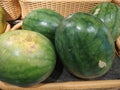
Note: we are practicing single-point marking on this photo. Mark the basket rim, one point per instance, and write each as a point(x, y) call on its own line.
point(73, 85)
point(116, 0)
point(66, 0)
point(8, 0)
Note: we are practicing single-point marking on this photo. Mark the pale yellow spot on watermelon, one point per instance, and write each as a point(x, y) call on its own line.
point(102, 64)
point(27, 42)
point(96, 11)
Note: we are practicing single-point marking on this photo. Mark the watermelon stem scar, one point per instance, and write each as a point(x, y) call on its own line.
point(102, 64)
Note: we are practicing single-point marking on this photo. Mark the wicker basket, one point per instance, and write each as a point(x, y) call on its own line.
point(12, 8)
point(64, 7)
point(117, 2)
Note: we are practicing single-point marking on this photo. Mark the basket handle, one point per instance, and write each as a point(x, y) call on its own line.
point(17, 26)
point(8, 27)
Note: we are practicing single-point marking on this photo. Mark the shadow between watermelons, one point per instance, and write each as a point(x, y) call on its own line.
point(57, 70)
point(56, 73)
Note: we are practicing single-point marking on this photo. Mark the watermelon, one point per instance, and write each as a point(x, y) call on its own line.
point(109, 13)
point(44, 21)
point(26, 57)
point(85, 45)
point(3, 22)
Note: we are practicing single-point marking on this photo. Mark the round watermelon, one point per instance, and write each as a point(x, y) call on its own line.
point(109, 13)
point(44, 21)
point(26, 57)
point(84, 45)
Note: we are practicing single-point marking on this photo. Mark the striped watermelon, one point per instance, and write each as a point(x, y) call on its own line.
point(44, 21)
point(109, 13)
point(84, 45)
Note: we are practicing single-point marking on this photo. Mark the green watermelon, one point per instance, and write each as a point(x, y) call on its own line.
point(109, 13)
point(26, 57)
point(84, 45)
point(44, 21)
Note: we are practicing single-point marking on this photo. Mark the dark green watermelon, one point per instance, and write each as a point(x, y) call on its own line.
point(84, 45)
point(109, 13)
point(44, 21)
point(26, 57)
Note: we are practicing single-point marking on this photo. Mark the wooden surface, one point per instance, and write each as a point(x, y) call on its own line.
point(78, 85)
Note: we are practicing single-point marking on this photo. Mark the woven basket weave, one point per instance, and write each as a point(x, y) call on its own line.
point(117, 2)
point(64, 7)
point(12, 8)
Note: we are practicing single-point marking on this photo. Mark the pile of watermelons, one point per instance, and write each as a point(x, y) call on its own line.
point(84, 42)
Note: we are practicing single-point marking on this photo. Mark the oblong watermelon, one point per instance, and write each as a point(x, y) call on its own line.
point(44, 21)
point(84, 45)
point(26, 57)
point(109, 13)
